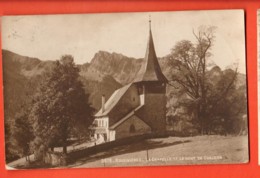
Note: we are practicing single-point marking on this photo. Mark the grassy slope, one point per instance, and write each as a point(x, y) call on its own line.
point(170, 151)
point(173, 151)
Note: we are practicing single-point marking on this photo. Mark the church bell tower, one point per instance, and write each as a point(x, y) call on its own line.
point(151, 84)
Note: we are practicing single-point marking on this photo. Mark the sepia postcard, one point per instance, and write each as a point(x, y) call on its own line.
point(125, 89)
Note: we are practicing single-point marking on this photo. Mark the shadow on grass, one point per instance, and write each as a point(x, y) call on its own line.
point(119, 150)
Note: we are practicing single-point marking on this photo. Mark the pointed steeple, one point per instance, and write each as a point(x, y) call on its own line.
point(150, 70)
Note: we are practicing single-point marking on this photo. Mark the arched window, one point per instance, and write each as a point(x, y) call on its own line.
point(132, 128)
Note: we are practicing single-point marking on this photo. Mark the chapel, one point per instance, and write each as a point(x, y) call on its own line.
point(137, 108)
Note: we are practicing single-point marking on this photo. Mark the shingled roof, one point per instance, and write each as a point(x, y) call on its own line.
point(150, 70)
point(113, 100)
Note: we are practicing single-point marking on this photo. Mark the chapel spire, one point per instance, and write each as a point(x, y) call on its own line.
point(150, 22)
point(150, 70)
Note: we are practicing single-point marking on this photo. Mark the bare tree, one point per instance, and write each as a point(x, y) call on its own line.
point(191, 61)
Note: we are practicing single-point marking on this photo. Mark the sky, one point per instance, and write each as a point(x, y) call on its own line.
point(48, 37)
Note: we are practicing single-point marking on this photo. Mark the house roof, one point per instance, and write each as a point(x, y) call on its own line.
point(126, 117)
point(113, 100)
point(150, 70)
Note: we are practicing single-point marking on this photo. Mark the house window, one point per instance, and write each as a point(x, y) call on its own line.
point(105, 137)
point(96, 123)
point(132, 128)
point(140, 90)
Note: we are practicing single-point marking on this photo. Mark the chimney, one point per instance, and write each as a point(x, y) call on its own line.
point(103, 104)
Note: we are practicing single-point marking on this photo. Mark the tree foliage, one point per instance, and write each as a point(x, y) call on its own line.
point(59, 106)
point(211, 92)
point(23, 134)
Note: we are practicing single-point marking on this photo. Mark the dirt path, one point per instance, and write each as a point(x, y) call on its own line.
point(19, 162)
point(22, 161)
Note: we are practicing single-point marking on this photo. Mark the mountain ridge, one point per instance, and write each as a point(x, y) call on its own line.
point(105, 73)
